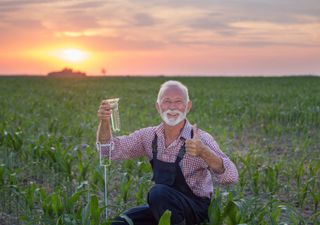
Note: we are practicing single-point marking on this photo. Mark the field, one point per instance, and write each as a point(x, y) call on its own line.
point(49, 167)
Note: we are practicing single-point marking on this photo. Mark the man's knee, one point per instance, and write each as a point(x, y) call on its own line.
point(157, 193)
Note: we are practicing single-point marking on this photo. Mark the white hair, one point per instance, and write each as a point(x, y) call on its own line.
point(173, 83)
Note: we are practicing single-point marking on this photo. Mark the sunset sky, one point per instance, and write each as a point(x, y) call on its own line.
point(170, 37)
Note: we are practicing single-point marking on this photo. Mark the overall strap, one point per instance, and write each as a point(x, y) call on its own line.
point(182, 150)
point(191, 133)
point(155, 146)
point(181, 153)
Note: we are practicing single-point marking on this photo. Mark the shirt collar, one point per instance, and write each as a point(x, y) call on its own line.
point(185, 133)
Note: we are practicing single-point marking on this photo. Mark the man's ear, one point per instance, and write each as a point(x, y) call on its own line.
point(189, 106)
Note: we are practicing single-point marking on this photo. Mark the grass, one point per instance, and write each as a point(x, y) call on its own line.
point(49, 167)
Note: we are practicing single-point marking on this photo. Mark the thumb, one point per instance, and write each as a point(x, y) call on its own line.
point(195, 131)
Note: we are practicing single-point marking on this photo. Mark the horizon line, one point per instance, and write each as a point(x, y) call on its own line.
point(169, 75)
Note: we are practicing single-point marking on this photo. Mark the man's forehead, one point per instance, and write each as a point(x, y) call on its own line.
point(173, 90)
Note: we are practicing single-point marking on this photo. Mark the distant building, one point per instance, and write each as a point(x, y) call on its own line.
point(67, 72)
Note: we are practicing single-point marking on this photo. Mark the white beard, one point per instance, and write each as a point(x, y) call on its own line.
point(173, 121)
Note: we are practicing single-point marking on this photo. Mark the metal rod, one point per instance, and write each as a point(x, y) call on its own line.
point(105, 164)
point(106, 190)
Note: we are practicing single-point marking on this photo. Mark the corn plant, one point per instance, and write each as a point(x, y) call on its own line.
point(226, 210)
point(271, 177)
point(165, 218)
point(214, 212)
point(269, 127)
point(13, 140)
point(251, 167)
point(91, 213)
point(125, 186)
point(299, 173)
point(30, 194)
point(314, 185)
point(140, 195)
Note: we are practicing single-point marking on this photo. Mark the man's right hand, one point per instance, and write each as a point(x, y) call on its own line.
point(104, 130)
point(104, 112)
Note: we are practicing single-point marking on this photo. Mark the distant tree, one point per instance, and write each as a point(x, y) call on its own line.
point(103, 71)
point(66, 72)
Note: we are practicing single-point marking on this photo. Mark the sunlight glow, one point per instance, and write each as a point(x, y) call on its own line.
point(73, 55)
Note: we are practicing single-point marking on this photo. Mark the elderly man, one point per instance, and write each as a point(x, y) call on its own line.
point(183, 160)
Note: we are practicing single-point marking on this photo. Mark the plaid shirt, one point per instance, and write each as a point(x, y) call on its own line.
point(195, 170)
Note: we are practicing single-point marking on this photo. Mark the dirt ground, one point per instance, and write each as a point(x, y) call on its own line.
point(6, 219)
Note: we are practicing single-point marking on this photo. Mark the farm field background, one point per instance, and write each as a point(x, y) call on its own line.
point(49, 167)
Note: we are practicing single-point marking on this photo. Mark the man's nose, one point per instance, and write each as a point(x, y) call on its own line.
point(172, 105)
point(172, 108)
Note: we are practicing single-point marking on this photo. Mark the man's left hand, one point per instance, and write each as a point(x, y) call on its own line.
point(194, 146)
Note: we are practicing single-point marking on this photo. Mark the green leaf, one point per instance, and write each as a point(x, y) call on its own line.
point(165, 218)
point(215, 217)
point(94, 210)
point(73, 199)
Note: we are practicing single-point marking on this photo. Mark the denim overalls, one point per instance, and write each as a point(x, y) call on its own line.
point(170, 191)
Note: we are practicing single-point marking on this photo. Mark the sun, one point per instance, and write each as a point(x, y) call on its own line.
point(73, 55)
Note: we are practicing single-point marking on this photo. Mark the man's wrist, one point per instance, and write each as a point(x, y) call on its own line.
point(222, 168)
point(204, 151)
point(218, 165)
point(102, 142)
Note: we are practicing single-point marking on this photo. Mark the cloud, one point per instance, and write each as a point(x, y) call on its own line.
point(118, 43)
point(167, 23)
point(143, 19)
point(85, 5)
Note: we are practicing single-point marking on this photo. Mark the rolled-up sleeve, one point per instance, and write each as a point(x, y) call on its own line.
point(124, 147)
point(230, 174)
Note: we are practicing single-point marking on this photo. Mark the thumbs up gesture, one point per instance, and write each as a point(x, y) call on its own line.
point(194, 146)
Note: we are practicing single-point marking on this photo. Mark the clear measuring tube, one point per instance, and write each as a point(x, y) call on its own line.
point(115, 117)
point(106, 162)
